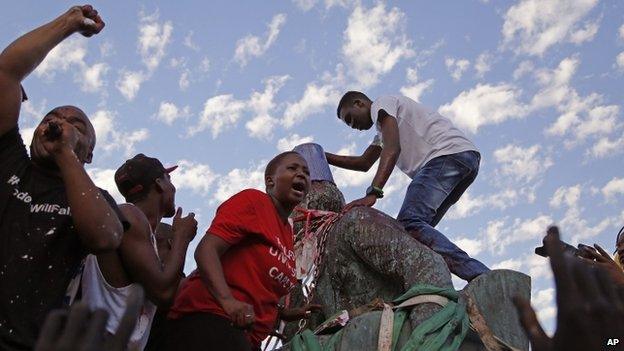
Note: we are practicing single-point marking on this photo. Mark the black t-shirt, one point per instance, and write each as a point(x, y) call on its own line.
point(39, 248)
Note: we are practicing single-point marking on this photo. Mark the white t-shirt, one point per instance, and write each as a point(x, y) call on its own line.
point(98, 293)
point(424, 134)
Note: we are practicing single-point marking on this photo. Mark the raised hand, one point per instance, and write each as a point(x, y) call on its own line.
point(85, 20)
point(59, 136)
point(590, 307)
point(599, 257)
point(184, 226)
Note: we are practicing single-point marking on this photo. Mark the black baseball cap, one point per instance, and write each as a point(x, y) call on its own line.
point(136, 175)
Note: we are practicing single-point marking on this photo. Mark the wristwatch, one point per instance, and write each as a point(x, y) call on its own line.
point(373, 190)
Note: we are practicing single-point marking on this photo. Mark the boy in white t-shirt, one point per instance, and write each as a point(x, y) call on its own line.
point(427, 147)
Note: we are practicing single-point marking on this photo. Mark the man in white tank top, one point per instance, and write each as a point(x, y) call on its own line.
point(109, 275)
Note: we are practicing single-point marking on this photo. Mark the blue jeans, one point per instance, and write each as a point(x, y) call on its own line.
point(433, 190)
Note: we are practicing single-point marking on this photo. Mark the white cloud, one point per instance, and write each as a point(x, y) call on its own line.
point(533, 26)
point(253, 46)
point(521, 164)
point(189, 43)
point(483, 64)
point(523, 68)
point(204, 66)
point(239, 179)
point(70, 55)
point(513, 264)
point(374, 42)
point(224, 111)
point(130, 82)
point(555, 83)
point(484, 105)
point(314, 100)
point(456, 67)
point(537, 266)
point(572, 222)
point(305, 5)
point(196, 177)
point(184, 81)
point(153, 39)
point(607, 147)
point(109, 135)
point(613, 188)
point(416, 88)
point(499, 234)
point(619, 61)
point(543, 302)
point(152, 43)
point(469, 205)
point(168, 112)
point(34, 112)
point(568, 196)
point(289, 142)
point(345, 178)
point(261, 104)
point(105, 178)
point(92, 77)
point(220, 113)
point(587, 33)
point(580, 117)
point(621, 31)
point(472, 246)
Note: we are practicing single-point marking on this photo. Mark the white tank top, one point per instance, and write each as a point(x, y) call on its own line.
point(97, 293)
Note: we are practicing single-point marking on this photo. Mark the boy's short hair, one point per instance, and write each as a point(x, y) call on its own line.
point(272, 165)
point(349, 97)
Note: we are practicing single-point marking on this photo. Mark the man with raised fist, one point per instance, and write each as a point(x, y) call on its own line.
point(109, 275)
point(51, 213)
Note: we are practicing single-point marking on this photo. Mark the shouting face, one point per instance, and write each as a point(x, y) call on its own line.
point(290, 182)
point(64, 117)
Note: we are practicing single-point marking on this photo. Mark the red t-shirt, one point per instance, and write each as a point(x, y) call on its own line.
point(259, 266)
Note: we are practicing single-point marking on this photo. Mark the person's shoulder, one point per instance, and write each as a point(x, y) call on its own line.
point(10, 140)
point(135, 217)
point(385, 99)
point(250, 195)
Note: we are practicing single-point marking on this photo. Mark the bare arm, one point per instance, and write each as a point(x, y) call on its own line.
point(22, 56)
point(356, 163)
point(141, 261)
point(391, 149)
point(207, 255)
point(389, 156)
point(96, 223)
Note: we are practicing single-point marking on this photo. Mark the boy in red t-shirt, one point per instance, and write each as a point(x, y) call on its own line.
point(245, 264)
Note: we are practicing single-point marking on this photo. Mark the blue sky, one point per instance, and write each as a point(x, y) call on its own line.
point(220, 88)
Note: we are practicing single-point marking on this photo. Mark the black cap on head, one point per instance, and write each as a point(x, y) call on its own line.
point(136, 175)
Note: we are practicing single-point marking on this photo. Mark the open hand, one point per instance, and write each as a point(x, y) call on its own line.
point(590, 307)
point(368, 200)
point(598, 256)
